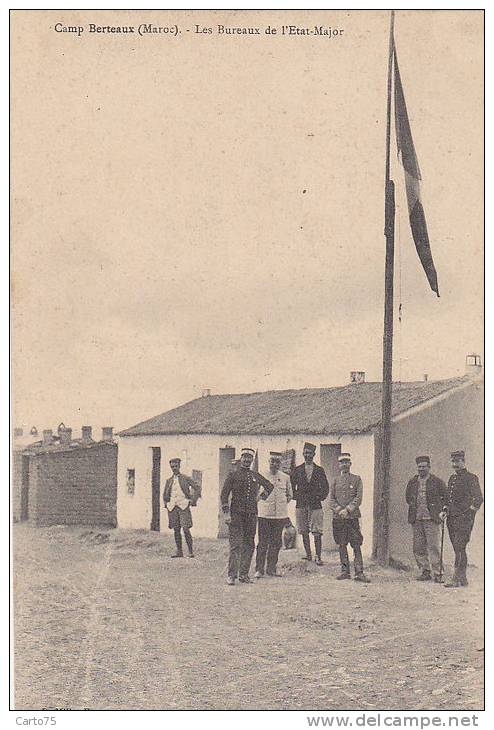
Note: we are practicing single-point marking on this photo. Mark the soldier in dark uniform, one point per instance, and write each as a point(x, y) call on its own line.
point(464, 500)
point(245, 487)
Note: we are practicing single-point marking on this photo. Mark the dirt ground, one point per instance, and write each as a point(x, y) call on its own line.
point(106, 620)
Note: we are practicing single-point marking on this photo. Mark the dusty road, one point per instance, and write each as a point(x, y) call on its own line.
point(105, 620)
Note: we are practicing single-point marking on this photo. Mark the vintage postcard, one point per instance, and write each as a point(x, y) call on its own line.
point(247, 356)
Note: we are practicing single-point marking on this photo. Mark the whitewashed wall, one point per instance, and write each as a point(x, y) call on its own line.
point(202, 452)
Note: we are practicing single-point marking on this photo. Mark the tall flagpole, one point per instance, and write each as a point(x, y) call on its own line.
point(385, 431)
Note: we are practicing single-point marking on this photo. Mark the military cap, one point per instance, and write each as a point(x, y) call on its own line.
point(345, 456)
point(423, 460)
point(246, 450)
point(175, 460)
point(275, 454)
point(309, 446)
point(457, 454)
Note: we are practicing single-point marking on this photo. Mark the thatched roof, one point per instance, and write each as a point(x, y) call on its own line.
point(348, 409)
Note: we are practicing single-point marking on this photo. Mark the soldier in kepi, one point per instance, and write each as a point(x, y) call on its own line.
point(426, 497)
point(464, 500)
point(241, 491)
point(310, 487)
point(345, 500)
point(180, 494)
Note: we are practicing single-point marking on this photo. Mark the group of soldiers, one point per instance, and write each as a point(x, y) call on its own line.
point(251, 500)
point(430, 504)
point(254, 502)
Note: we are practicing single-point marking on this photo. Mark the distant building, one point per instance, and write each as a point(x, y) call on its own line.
point(433, 417)
point(66, 481)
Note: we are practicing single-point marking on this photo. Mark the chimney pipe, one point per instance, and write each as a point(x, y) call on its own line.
point(473, 364)
point(47, 437)
point(107, 433)
point(426, 377)
point(206, 392)
point(86, 432)
point(65, 436)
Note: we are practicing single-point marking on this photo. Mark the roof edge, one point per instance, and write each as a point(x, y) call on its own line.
point(437, 398)
point(347, 432)
point(130, 432)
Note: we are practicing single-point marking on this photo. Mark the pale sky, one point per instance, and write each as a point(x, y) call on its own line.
point(207, 211)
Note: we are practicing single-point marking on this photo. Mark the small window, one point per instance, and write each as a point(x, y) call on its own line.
point(131, 481)
point(197, 477)
point(288, 461)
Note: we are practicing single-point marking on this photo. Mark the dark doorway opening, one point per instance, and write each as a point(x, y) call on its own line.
point(329, 462)
point(25, 489)
point(155, 489)
point(227, 455)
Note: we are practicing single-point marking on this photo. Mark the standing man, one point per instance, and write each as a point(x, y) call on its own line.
point(273, 516)
point(245, 487)
point(426, 496)
point(464, 500)
point(180, 493)
point(310, 487)
point(345, 500)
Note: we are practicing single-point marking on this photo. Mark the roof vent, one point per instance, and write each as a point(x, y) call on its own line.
point(66, 436)
point(107, 433)
point(357, 377)
point(473, 365)
point(206, 392)
point(47, 436)
point(86, 434)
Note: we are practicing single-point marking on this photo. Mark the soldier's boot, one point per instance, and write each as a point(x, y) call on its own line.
point(462, 577)
point(426, 575)
point(306, 541)
point(188, 540)
point(318, 546)
point(359, 566)
point(345, 564)
point(454, 582)
point(462, 568)
point(178, 543)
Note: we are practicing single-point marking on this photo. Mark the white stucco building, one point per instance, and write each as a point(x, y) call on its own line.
point(208, 433)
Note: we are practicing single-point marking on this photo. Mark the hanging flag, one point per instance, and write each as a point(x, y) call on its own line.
point(406, 152)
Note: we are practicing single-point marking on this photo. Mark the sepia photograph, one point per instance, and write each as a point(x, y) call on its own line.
point(247, 362)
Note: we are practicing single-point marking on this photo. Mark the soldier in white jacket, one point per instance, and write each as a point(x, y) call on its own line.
point(272, 517)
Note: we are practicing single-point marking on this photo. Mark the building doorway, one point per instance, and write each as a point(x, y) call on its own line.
point(24, 515)
point(329, 462)
point(226, 456)
point(155, 489)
